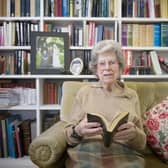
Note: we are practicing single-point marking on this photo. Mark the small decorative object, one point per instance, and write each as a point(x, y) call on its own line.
point(76, 66)
point(49, 52)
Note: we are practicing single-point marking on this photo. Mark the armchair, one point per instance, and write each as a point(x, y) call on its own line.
point(49, 149)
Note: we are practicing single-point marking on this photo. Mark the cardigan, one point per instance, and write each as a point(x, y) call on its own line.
point(94, 98)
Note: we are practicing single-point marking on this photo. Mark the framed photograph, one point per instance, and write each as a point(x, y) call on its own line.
point(76, 66)
point(49, 52)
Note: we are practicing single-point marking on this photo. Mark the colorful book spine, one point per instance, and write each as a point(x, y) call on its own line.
point(37, 7)
point(157, 36)
point(124, 34)
point(65, 7)
point(163, 34)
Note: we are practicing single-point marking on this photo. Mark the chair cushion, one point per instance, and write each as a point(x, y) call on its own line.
point(156, 128)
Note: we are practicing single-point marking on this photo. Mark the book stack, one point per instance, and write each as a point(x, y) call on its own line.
point(8, 97)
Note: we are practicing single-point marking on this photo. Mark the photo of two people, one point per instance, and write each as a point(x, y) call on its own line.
point(49, 52)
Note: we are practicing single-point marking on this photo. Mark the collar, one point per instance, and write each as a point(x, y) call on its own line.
point(119, 89)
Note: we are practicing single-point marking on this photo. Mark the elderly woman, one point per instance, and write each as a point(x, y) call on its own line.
point(110, 97)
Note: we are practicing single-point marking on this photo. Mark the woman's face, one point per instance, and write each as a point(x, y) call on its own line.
point(108, 69)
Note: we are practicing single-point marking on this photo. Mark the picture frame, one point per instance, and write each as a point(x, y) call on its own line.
point(49, 52)
point(76, 66)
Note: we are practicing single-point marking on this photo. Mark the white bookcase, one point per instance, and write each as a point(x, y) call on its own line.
point(38, 109)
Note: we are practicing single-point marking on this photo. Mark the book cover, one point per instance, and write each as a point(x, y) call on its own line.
point(58, 8)
point(150, 35)
point(163, 35)
point(18, 139)
point(27, 8)
point(12, 8)
point(37, 9)
point(124, 34)
point(3, 134)
point(155, 63)
point(109, 127)
point(25, 128)
point(65, 8)
point(10, 139)
point(32, 8)
point(129, 8)
point(4, 139)
point(135, 35)
point(22, 7)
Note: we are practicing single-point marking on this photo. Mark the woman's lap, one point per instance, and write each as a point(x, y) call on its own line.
point(95, 155)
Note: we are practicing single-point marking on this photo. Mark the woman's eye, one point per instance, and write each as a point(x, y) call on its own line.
point(112, 62)
point(102, 63)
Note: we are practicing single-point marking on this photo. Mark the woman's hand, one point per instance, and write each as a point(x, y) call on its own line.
point(85, 128)
point(125, 132)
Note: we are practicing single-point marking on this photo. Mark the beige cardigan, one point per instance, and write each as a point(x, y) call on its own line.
point(94, 98)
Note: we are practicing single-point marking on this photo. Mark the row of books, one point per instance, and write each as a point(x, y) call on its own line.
point(25, 91)
point(8, 97)
point(52, 92)
point(147, 62)
point(80, 8)
point(49, 119)
point(17, 62)
point(86, 35)
point(20, 8)
point(16, 135)
point(141, 59)
point(16, 33)
point(17, 96)
point(12, 83)
point(139, 62)
point(145, 8)
point(145, 34)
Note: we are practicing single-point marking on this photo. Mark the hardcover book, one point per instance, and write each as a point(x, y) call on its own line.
point(109, 127)
point(155, 63)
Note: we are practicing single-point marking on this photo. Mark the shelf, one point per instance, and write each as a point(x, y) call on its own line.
point(137, 20)
point(15, 48)
point(104, 19)
point(147, 77)
point(19, 19)
point(47, 77)
point(145, 48)
point(18, 77)
point(20, 107)
point(50, 107)
point(80, 48)
point(164, 76)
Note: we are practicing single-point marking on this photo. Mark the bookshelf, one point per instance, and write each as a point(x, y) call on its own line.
point(42, 22)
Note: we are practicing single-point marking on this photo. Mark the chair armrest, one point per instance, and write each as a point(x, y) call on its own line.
point(49, 147)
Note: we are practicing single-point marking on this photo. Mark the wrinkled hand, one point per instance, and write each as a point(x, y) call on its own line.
point(126, 132)
point(85, 128)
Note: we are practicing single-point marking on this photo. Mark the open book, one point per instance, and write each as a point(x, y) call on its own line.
point(109, 127)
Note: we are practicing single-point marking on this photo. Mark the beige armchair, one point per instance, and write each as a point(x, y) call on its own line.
point(49, 149)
